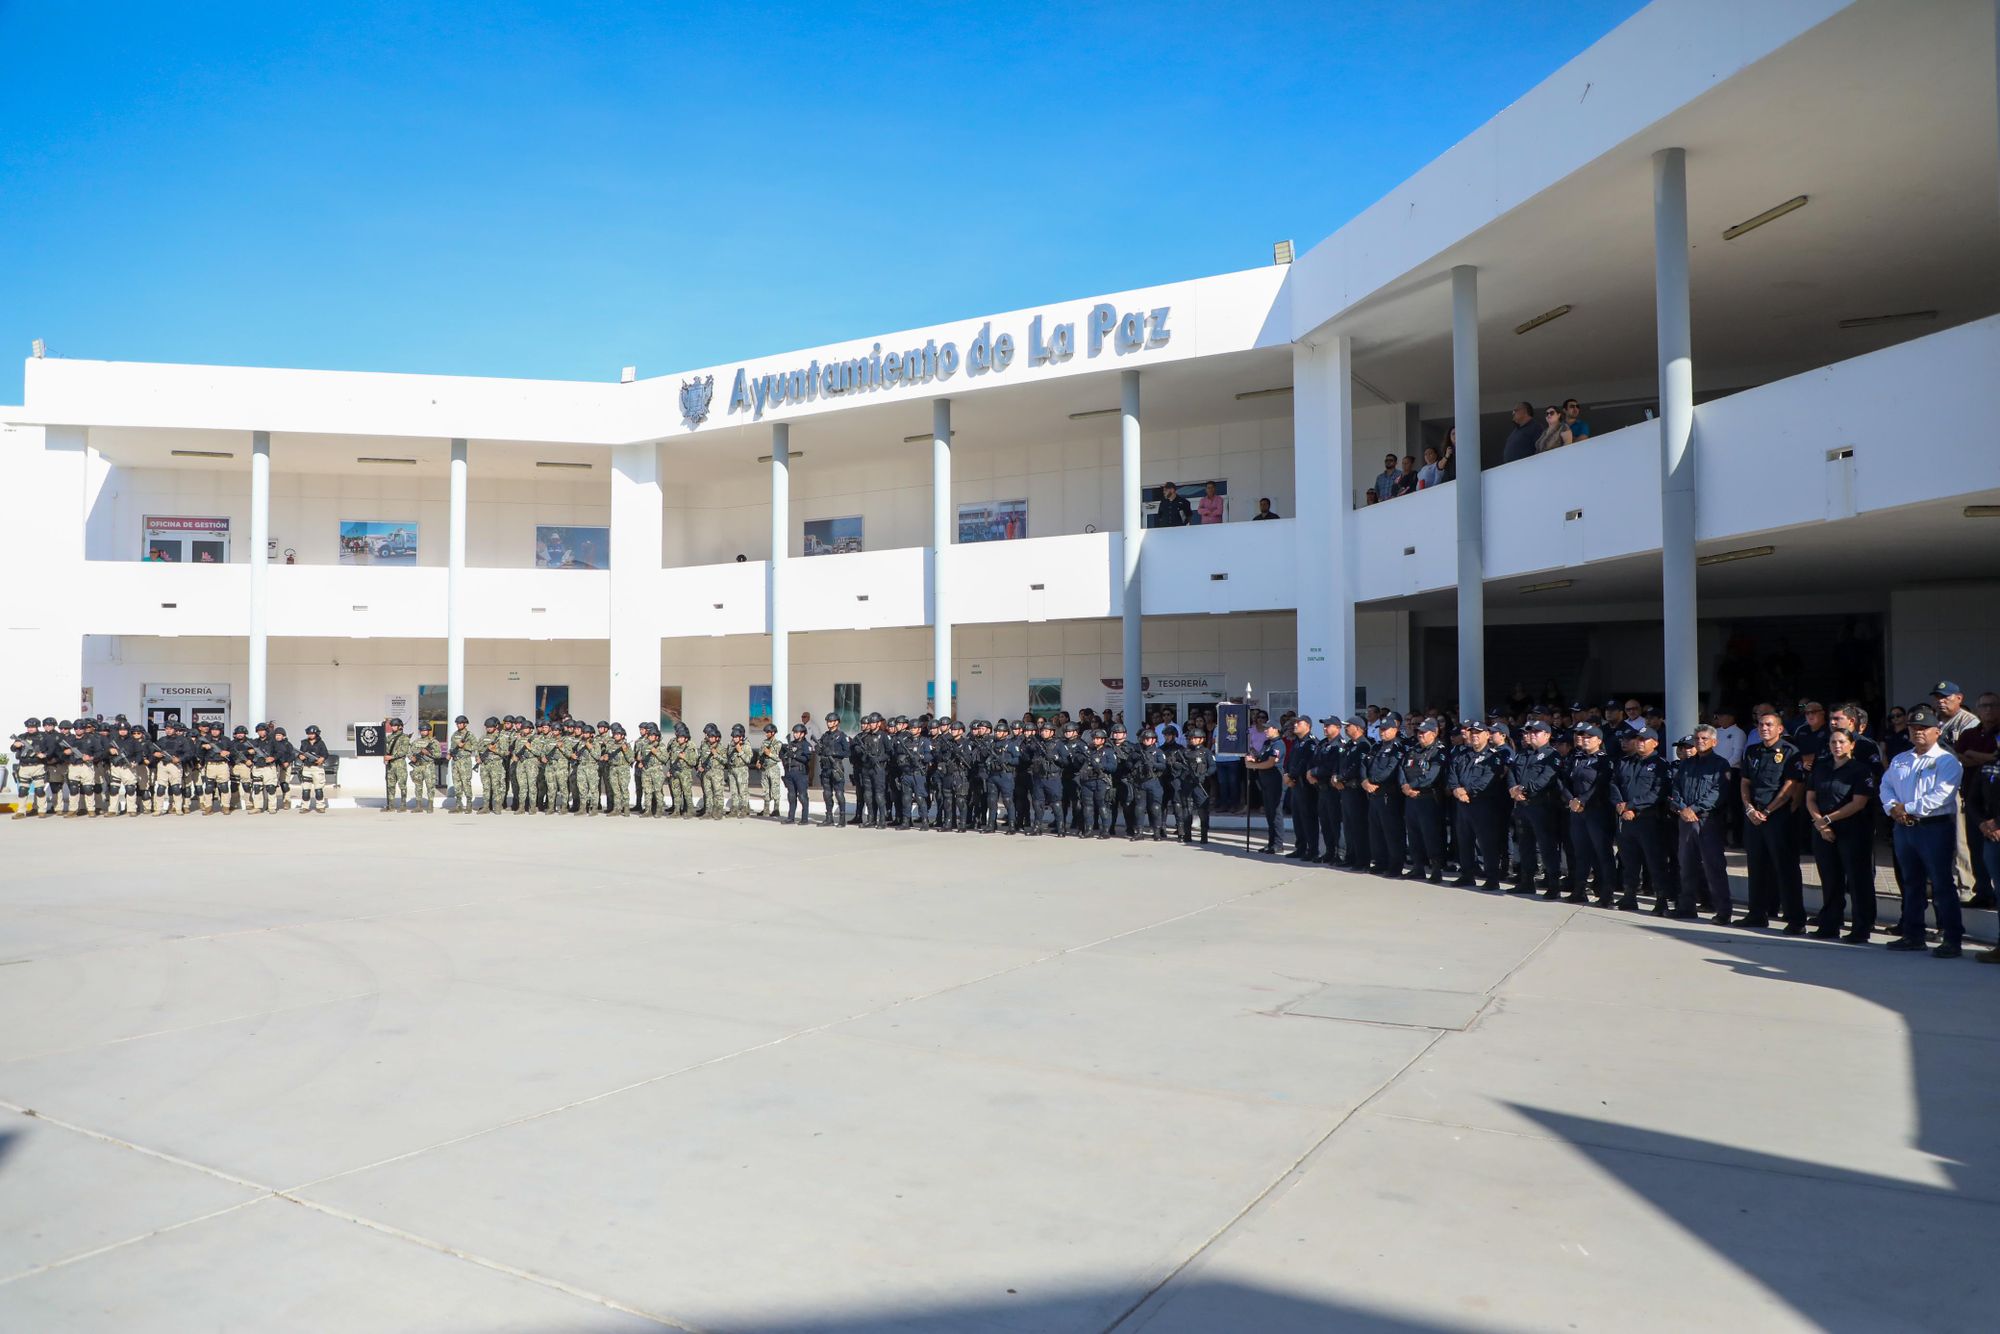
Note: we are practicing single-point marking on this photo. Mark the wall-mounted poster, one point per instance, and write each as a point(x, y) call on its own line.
point(670, 708)
point(1045, 696)
point(1208, 501)
point(186, 540)
point(432, 706)
point(567, 547)
point(377, 542)
point(551, 703)
point(760, 707)
point(833, 537)
point(993, 521)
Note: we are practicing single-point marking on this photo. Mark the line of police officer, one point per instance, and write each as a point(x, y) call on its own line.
point(1579, 822)
point(83, 767)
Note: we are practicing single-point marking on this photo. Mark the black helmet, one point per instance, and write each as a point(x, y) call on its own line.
point(122, 725)
point(618, 729)
point(603, 726)
point(1148, 734)
point(393, 722)
point(1002, 727)
point(736, 729)
point(1071, 726)
point(34, 722)
point(681, 731)
point(463, 719)
point(770, 729)
point(119, 718)
point(874, 717)
point(68, 723)
point(262, 727)
point(1196, 734)
point(833, 717)
point(50, 722)
point(490, 722)
point(240, 730)
point(312, 729)
point(710, 729)
point(1046, 725)
point(1097, 734)
point(798, 729)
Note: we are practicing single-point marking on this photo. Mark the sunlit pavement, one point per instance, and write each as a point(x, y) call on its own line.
point(368, 1072)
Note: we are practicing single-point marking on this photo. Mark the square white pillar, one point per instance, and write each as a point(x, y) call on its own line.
point(1130, 482)
point(260, 566)
point(942, 519)
point(775, 611)
point(1323, 481)
point(1471, 498)
point(454, 584)
point(637, 524)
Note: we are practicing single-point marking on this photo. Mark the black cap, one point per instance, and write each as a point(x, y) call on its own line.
point(1587, 729)
point(1477, 725)
point(1535, 725)
point(1427, 725)
point(1685, 743)
point(1923, 716)
point(1644, 734)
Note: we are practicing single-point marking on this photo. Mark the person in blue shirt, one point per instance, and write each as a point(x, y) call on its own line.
point(1579, 429)
point(1920, 792)
point(1532, 783)
point(1478, 783)
point(1385, 484)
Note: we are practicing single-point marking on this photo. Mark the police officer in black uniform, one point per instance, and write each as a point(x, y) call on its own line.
point(1351, 773)
point(1073, 751)
point(1382, 780)
point(1193, 765)
point(1697, 791)
point(1149, 786)
point(1422, 785)
point(918, 756)
point(1094, 785)
point(1478, 783)
point(1323, 798)
point(1003, 763)
point(833, 752)
point(1772, 778)
point(1299, 792)
point(1639, 796)
point(1592, 823)
point(1533, 785)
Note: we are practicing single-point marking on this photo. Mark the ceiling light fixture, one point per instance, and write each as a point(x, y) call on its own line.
point(791, 456)
point(1768, 215)
point(1548, 587)
point(1095, 412)
point(371, 458)
point(1982, 511)
point(1265, 393)
point(1543, 318)
point(919, 439)
point(1905, 317)
point(1744, 553)
point(201, 454)
point(1281, 253)
point(560, 463)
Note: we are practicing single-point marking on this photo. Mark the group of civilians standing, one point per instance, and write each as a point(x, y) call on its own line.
point(1533, 433)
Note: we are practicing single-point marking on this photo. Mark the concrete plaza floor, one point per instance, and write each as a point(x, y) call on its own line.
point(368, 1072)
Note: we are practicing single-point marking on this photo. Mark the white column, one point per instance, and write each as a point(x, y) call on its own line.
point(1130, 484)
point(260, 565)
point(454, 589)
point(941, 530)
point(1677, 460)
point(1323, 503)
point(774, 594)
point(1471, 501)
point(637, 523)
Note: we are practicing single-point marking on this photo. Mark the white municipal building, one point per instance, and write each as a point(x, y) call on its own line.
point(1759, 242)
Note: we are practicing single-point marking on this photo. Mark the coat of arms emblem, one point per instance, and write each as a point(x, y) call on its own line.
point(695, 397)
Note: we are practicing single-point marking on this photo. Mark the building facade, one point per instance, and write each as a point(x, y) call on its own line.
point(1758, 243)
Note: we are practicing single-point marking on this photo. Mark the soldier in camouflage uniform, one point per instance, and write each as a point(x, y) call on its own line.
point(528, 766)
point(681, 773)
point(491, 750)
point(558, 764)
point(424, 752)
point(590, 752)
point(709, 763)
point(396, 767)
point(619, 773)
point(463, 744)
point(736, 773)
point(770, 766)
point(651, 753)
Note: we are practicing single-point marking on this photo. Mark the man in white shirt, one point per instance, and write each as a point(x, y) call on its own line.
point(1730, 743)
point(1920, 792)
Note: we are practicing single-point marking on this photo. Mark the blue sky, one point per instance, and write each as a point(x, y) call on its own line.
point(556, 191)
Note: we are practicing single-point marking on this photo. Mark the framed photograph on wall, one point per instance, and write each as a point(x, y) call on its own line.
point(378, 542)
point(568, 547)
point(1045, 696)
point(760, 707)
point(833, 537)
point(993, 521)
point(551, 703)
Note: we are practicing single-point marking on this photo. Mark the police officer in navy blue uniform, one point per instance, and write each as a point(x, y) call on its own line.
point(1193, 765)
point(1382, 780)
point(1592, 823)
point(1265, 766)
point(1533, 785)
point(1351, 772)
point(1841, 797)
point(914, 759)
point(1149, 786)
point(795, 762)
point(1423, 797)
point(1478, 783)
point(1073, 752)
point(1639, 795)
point(1043, 759)
point(1697, 791)
point(1305, 820)
point(1323, 797)
point(1003, 763)
point(1772, 778)
point(1095, 778)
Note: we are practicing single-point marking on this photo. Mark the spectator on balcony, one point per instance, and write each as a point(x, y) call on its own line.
point(1555, 432)
point(1385, 483)
point(1521, 440)
point(1210, 506)
point(1448, 461)
point(1406, 476)
point(1174, 511)
point(1579, 429)
point(1264, 510)
point(1432, 472)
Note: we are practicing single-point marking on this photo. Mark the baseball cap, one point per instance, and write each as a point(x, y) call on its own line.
point(1588, 729)
point(1535, 725)
point(1947, 688)
point(1644, 734)
point(1428, 725)
point(1923, 716)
